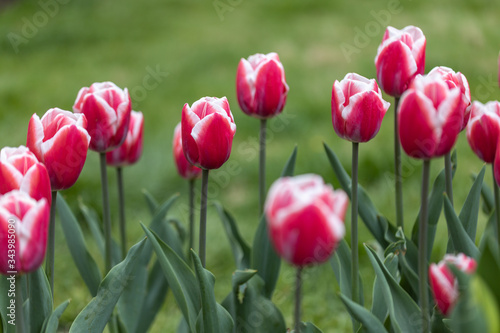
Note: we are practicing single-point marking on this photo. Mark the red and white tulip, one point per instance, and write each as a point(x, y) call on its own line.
point(186, 170)
point(483, 130)
point(131, 149)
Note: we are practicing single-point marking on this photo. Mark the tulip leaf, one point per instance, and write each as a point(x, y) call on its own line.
point(470, 210)
point(489, 230)
point(487, 195)
point(76, 243)
point(341, 264)
point(289, 169)
point(379, 307)
point(151, 201)
point(308, 328)
point(52, 323)
point(97, 313)
point(370, 323)
point(40, 300)
point(489, 267)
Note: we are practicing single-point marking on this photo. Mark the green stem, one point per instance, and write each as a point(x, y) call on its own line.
point(497, 205)
point(298, 299)
point(354, 228)
point(448, 176)
point(203, 217)
point(191, 214)
point(121, 209)
point(105, 212)
point(20, 323)
point(422, 250)
point(262, 165)
point(51, 241)
point(397, 169)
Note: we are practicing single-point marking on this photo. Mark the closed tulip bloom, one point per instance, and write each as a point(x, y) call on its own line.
point(186, 170)
point(400, 57)
point(28, 220)
point(456, 80)
point(429, 117)
point(305, 218)
point(357, 108)
point(261, 86)
point(60, 141)
point(21, 170)
point(131, 149)
point(107, 109)
point(483, 129)
point(444, 285)
point(207, 132)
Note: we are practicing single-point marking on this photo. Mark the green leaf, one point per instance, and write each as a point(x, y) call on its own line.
point(52, 323)
point(151, 201)
point(489, 268)
point(40, 300)
point(5, 299)
point(370, 323)
point(488, 198)
point(241, 277)
point(341, 264)
point(97, 313)
point(241, 249)
point(308, 328)
point(76, 243)
point(289, 168)
point(379, 307)
point(470, 210)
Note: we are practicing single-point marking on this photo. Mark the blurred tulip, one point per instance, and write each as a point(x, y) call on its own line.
point(186, 170)
point(357, 108)
point(61, 142)
point(400, 57)
point(483, 129)
point(23, 225)
point(260, 85)
point(107, 109)
point(429, 117)
point(444, 285)
point(305, 218)
point(207, 132)
point(130, 150)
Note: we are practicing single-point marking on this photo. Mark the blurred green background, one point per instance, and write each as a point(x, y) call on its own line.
point(173, 52)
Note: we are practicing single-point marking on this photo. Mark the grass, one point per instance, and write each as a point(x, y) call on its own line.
point(124, 41)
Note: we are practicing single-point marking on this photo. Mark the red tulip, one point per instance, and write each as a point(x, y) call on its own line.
point(131, 149)
point(24, 225)
point(186, 170)
point(305, 218)
point(444, 285)
point(207, 132)
point(107, 109)
point(483, 129)
point(61, 142)
point(400, 57)
point(260, 85)
point(456, 80)
point(20, 170)
point(357, 108)
point(429, 117)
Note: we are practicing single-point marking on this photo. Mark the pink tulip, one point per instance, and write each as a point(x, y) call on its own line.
point(261, 86)
point(24, 225)
point(444, 285)
point(61, 142)
point(20, 170)
point(305, 218)
point(456, 80)
point(429, 117)
point(483, 129)
point(207, 132)
point(400, 57)
point(357, 108)
point(131, 149)
point(186, 170)
point(107, 109)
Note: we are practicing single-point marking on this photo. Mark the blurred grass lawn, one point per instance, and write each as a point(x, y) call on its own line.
point(123, 41)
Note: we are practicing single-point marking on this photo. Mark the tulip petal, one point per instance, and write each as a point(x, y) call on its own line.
point(101, 121)
point(10, 178)
point(32, 236)
point(269, 89)
point(35, 136)
point(188, 120)
point(449, 110)
point(245, 86)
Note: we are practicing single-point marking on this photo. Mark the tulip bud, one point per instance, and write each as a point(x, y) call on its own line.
point(444, 285)
point(107, 109)
point(260, 85)
point(305, 218)
point(400, 57)
point(357, 108)
point(24, 225)
point(483, 129)
point(429, 117)
point(186, 170)
point(207, 132)
point(20, 170)
point(131, 149)
point(61, 142)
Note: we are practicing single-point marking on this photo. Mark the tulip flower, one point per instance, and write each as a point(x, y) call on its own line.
point(130, 150)
point(185, 169)
point(23, 232)
point(107, 109)
point(444, 285)
point(400, 57)
point(20, 170)
point(483, 129)
point(357, 108)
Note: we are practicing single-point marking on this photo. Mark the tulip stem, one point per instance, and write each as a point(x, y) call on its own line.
point(422, 250)
point(448, 176)
point(354, 224)
point(298, 298)
point(105, 212)
point(203, 217)
point(51, 241)
point(191, 214)
point(262, 165)
point(19, 322)
point(497, 204)
point(121, 209)
point(397, 169)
